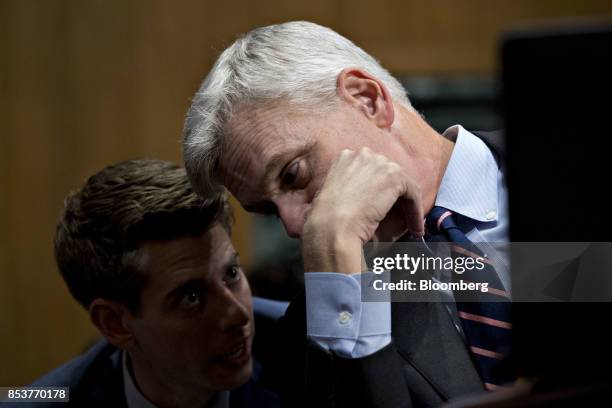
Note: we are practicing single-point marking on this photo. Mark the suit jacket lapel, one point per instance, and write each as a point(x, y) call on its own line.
point(426, 337)
point(250, 395)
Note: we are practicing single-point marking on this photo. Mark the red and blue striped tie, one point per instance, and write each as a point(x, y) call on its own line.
point(485, 316)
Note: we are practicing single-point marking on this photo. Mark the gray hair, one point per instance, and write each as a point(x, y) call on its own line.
point(295, 62)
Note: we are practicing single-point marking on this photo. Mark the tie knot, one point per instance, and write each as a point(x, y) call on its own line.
point(439, 220)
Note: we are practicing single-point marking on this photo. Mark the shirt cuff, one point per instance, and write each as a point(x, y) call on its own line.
point(337, 319)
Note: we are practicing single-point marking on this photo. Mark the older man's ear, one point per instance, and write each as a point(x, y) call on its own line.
point(367, 93)
point(111, 319)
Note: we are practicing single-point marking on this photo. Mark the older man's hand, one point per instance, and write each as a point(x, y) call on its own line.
point(365, 197)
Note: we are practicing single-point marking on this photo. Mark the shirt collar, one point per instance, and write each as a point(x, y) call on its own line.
point(135, 399)
point(469, 185)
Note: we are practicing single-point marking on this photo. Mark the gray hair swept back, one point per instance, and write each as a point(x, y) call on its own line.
point(295, 62)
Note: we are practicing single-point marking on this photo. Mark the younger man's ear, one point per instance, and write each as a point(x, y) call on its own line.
point(368, 93)
point(110, 319)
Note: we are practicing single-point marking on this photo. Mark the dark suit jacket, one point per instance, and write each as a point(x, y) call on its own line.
point(95, 378)
point(426, 364)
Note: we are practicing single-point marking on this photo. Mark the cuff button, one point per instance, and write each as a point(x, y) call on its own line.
point(344, 317)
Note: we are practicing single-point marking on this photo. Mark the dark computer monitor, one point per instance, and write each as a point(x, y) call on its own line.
point(557, 88)
point(557, 101)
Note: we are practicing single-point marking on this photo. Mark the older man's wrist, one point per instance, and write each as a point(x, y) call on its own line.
point(331, 254)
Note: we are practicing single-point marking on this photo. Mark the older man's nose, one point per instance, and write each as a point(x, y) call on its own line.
point(293, 216)
point(292, 224)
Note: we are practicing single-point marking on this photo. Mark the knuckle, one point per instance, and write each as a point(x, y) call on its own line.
point(414, 190)
point(392, 168)
point(366, 152)
point(346, 153)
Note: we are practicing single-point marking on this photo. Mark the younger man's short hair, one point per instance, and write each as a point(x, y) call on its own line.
point(103, 224)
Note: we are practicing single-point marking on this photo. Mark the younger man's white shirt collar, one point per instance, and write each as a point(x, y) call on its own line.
point(135, 399)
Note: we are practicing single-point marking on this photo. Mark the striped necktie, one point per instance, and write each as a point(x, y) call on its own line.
point(484, 316)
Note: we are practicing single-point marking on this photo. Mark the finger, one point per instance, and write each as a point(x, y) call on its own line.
point(412, 206)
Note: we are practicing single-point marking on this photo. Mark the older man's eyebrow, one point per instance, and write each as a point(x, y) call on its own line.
point(281, 159)
point(276, 160)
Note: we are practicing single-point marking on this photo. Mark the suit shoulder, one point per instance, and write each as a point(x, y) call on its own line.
point(71, 373)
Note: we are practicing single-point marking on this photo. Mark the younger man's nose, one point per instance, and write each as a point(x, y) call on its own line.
point(233, 313)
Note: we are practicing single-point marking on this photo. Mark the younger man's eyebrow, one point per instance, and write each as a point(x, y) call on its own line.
point(185, 286)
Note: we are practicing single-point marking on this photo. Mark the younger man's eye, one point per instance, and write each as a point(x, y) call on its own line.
point(191, 299)
point(232, 275)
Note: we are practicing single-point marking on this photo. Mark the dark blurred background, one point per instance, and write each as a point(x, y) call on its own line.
point(87, 83)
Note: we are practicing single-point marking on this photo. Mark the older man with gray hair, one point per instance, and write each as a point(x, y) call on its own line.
point(297, 121)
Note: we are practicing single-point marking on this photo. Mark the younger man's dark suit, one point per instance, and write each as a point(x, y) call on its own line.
point(95, 379)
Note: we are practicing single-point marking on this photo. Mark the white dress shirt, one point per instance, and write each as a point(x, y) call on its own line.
point(135, 399)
